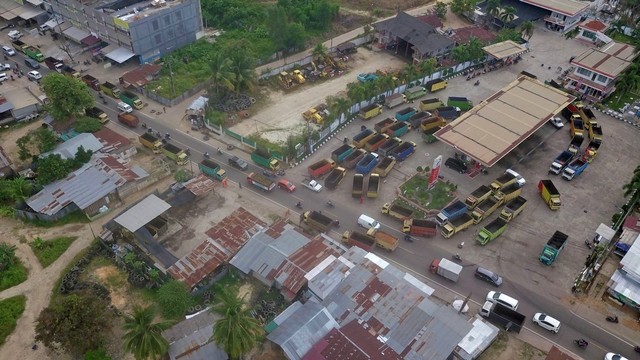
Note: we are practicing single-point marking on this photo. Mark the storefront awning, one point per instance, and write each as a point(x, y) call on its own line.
point(90, 40)
point(120, 55)
point(35, 2)
point(75, 34)
point(29, 12)
point(52, 23)
point(8, 15)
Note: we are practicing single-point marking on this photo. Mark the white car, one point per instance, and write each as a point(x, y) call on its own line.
point(34, 75)
point(557, 122)
point(5, 67)
point(519, 179)
point(8, 51)
point(313, 186)
point(504, 299)
point(546, 322)
point(614, 356)
point(15, 34)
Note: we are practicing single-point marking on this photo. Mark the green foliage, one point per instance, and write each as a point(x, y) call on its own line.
point(77, 217)
point(526, 29)
point(174, 299)
point(13, 275)
point(15, 190)
point(508, 34)
point(37, 142)
point(69, 96)
point(181, 175)
point(82, 156)
point(143, 337)
point(237, 331)
point(52, 168)
point(10, 311)
point(7, 255)
point(462, 7)
point(441, 10)
point(99, 354)
point(48, 251)
point(87, 125)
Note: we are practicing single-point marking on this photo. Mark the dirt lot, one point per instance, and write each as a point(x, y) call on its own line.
point(508, 347)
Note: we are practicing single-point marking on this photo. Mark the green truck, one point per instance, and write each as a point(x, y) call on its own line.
point(462, 103)
point(553, 248)
point(34, 53)
point(212, 169)
point(415, 92)
point(485, 209)
point(175, 153)
point(110, 89)
point(477, 196)
point(513, 208)
point(491, 231)
point(264, 159)
point(132, 99)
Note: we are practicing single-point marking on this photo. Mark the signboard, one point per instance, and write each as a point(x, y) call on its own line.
point(435, 171)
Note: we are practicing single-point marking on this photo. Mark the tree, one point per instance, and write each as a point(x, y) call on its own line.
point(493, 8)
point(408, 73)
point(68, 96)
point(633, 185)
point(427, 67)
point(319, 52)
point(338, 105)
point(7, 255)
point(143, 337)
point(460, 54)
point(296, 37)
point(508, 14)
point(356, 92)
point(441, 10)
point(52, 168)
point(457, 6)
point(19, 188)
point(507, 34)
point(99, 354)
point(242, 66)
point(174, 299)
point(474, 49)
point(526, 29)
point(237, 331)
point(82, 156)
point(181, 175)
point(74, 323)
point(87, 125)
point(221, 73)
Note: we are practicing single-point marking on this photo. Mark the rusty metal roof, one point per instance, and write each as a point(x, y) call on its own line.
point(200, 185)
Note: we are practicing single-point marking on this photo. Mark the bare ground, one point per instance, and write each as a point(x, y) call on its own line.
point(507, 347)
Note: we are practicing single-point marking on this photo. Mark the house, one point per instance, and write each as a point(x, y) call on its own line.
point(624, 284)
point(69, 148)
point(5, 165)
point(431, 19)
point(564, 14)
point(476, 341)
point(597, 69)
point(115, 144)
point(141, 76)
point(630, 232)
point(24, 103)
point(592, 30)
point(191, 338)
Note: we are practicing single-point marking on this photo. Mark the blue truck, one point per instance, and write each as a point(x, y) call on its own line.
point(403, 150)
point(342, 152)
point(389, 145)
point(575, 168)
point(406, 113)
point(561, 162)
point(367, 163)
point(451, 212)
point(448, 112)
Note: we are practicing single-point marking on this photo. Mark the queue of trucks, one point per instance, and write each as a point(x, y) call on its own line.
point(457, 224)
point(397, 211)
point(513, 208)
point(491, 231)
point(175, 153)
point(318, 221)
point(553, 248)
point(419, 227)
point(321, 167)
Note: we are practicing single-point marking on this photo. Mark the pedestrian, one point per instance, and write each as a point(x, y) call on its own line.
point(361, 199)
point(164, 109)
point(240, 185)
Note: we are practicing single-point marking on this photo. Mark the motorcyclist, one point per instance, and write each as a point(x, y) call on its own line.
point(583, 343)
point(299, 204)
point(329, 203)
point(206, 155)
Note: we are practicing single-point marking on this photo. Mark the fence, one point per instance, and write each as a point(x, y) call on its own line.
point(171, 102)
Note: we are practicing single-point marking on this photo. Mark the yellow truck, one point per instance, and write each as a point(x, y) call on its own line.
point(435, 85)
point(384, 166)
point(298, 77)
point(452, 227)
point(370, 111)
point(432, 123)
point(508, 193)
point(513, 208)
point(477, 196)
point(151, 142)
point(485, 209)
point(549, 194)
point(384, 240)
point(431, 104)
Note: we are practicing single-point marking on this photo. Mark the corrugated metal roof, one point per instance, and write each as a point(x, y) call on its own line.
point(610, 60)
point(191, 339)
point(69, 148)
point(564, 7)
point(630, 263)
point(477, 340)
point(143, 212)
point(625, 285)
point(413, 30)
point(504, 49)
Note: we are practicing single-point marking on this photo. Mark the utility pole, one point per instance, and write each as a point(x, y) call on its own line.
point(173, 87)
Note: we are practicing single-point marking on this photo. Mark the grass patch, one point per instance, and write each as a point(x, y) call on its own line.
point(76, 217)
point(498, 346)
point(10, 311)
point(416, 189)
point(620, 37)
point(13, 275)
point(616, 102)
point(48, 251)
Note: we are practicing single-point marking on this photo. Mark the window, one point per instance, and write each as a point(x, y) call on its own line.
point(583, 71)
point(178, 16)
point(158, 39)
point(602, 79)
point(167, 20)
point(155, 25)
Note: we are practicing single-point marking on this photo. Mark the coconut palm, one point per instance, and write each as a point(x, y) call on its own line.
point(628, 81)
point(20, 188)
point(526, 29)
point(474, 49)
point(493, 8)
point(338, 105)
point(408, 73)
point(221, 73)
point(143, 337)
point(319, 52)
point(243, 68)
point(237, 331)
point(427, 67)
point(460, 53)
point(508, 14)
point(356, 92)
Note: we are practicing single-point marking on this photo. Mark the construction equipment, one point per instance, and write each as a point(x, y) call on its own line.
point(298, 77)
point(285, 80)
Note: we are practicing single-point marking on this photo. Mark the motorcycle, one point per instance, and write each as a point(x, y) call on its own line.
point(588, 243)
point(637, 349)
point(281, 173)
point(144, 125)
point(476, 83)
point(408, 238)
point(299, 205)
point(457, 257)
point(613, 319)
point(206, 155)
point(219, 151)
point(329, 204)
point(582, 343)
point(336, 223)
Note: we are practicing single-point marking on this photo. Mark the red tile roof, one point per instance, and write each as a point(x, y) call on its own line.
point(631, 222)
point(594, 25)
point(463, 35)
point(431, 19)
point(111, 140)
point(140, 76)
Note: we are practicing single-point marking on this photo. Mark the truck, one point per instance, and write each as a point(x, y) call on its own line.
point(500, 314)
point(508, 193)
point(415, 92)
point(375, 141)
point(577, 127)
point(70, 72)
point(435, 85)
point(132, 99)
point(595, 132)
point(312, 185)
point(461, 103)
point(175, 153)
point(264, 159)
point(388, 146)
point(34, 53)
point(212, 169)
point(576, 143)
point(588, 117)
point(592, 150)
point(362, 137)
point(130, 120)
point(477, 196)
point(460, 223)
point(367, 163)
point(53, 63)
point(397, 211)
point(358, 185)
point(571, 112)
point(406, 113)
point(419, 227)
point(485, 209)
point(395, 100)
point(513, 208)
point(315, 114)
point(320, 168)
point(110, 89)
point(151, 142)
point(356, 238)
point(91, 82)
point(561, 161)
point(335, 177)
point(549, 194)
point(491, 231)
point(398, 129)
point(448, 112)
point(450, 212)
point(97, 113)
point(430, 104)
point(384, 166)
point(446, 268)
point(403, 150)
point(432, 124)
point(317, 220)
point(575, 168)
point(19, 45)
point(384, 240)
point(416, 119)
point(342, 152)
point(261, 182)
point(503, 180)
point(373, 186)
point(353, 159)
point(370, 111)
point(382, 126)
point(553, 248)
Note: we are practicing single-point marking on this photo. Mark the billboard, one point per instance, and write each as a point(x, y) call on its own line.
point(435, 171)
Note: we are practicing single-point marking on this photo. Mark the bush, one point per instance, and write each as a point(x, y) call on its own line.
point(13, 275)
point(174, 299)
point(10, 311)
point(48, 251)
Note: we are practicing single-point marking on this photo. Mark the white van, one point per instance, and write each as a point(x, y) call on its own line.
point(368, 222)
point(122, 106)
point(503, 299)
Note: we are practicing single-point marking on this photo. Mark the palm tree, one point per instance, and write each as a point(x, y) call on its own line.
point(221, 73)
point(319, 52)
point(237, 331)
point(628, 81)
point(356, 92)
point(7, 255)
point(244, 74)
point(20, 188)
point(526, 29)
point(384, 84)
point(408, 73)
point(460, 53)
point(338, 105)
point(474, 48)
point(634, 185)
point(493, 8)
point(508, 14)
point(427, 67)
point(143, 337)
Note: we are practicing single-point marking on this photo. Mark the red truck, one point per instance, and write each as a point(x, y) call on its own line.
point(321, 167)
point(91, 82)
point(130, 120)
point(419, 227)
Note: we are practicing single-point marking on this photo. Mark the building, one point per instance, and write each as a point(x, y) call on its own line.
point(141, 76)
point(24, 103)
point(29, 12)
point(597, 69)
point(592, 30)
point(191, 338)
point(69, 148)
point(5, 165)
point(144, 29)
point(624, 284)
point(564, 14)
point(115, 144)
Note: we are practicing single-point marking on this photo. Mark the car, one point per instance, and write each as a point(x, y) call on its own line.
point(8, 51)
point(457, 165)
point(488, 276)
point(546, 322)
point(367, 77)
point(5, 67)
point(557, 122)
point(503, 299)
point(286, 185)
point(34, 75)
point(614, 356)
point(32, 63)
point(519, 179)
point(238, 163)
point(3, 77)
point(15, 34)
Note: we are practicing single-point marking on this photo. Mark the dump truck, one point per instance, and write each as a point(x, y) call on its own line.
point(70, 72)
point(97, 113)
point(553, 248)
point(367, 163)
point(358, 186)
point(419, 227)
point(261, 182)
point(312, 185)
point(588, 117)
point(53, 63)
point(446, 268)
point(432, 124)
point(397, 211)
point(513, 208)
point(264, 159)
point(549, 194)
point(151, 142)
point(384, 240)
point(34, 53)
point(403, 150)
point(416, 119)
point(356, 238)
point(497, 313)
point(317, 220)
point(353, 159)
point(508, 193)
point(406, 113)
point(395, 100)
point(576, 143)
point(462, 103)
point(595, 133)
point(19, 45)
point(382, 126)
point(415, 92)
point(398, 129)
point(571, 112)
point(560, 162)
point(212, 169)
point(375, 141)
point(321, 167)
point(450, 212)
point(503, 180)
point(384, 166)
point(430, 104)
point(448, 112)
point(592, 150)
point(342, 152)
point(370, 111)
point(130, 120)
point(387, 147)
point(110, 89)
point(373, 186)
point(491, 231)
point(175, 153)
point(460, 223)
point(362, 137)
point(132, 99)
point(485, 209)
point(335, 177)
point(91, 82)
point(575, 168)
point(577, 127)
point(435, 85)
point(477, 196)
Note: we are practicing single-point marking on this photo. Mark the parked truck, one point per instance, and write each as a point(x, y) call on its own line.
point(511, 320)
point(448, 112)
point(415, 92)
point(430, 104)
point(356, 238)
point(450, 212)
point(549, 194)
point(353, 159)
point(485, 209)
point(97, 113)
point(508, 193)
point(461, 103)
point(70, 72)
point(477, 196)
point(398, 129)
point(321, 167)
point(91, 82)
point(553, 248)
point(367, 163)
point(384, 240)
point(435, 85)
point(403, 150)
point(387, 147)
point(151, 142)
point(210, 168)
point(317, 220)
point(34, 53)
point(588, 117)
point(571, 112)
point(446, 268)
point(561, 162)
point(19, 45)
point(395, 100)
point(342, 152)
point(595, 133)
point(576, 143)
point(432, 124)
point(382, 126)
point(130, 120)
point(264, 159)
point(261, 182)
point(575, 168)
point(175, 153)
point(592, 150)
point(503, 180)
point(362, 137)
point(384, 166)
point(458, 224)
point(419, 227)
point(53, 63)
point(513, 208)
point(491, 231)
point(358, 186)
point(416, 119)
point(375, 141)
point(110, 89)
point(405, 114)
point(577, 127)
point(373, 186)
point(397, 211)
point(335, 177)
point(132, 99)
point(370, 111)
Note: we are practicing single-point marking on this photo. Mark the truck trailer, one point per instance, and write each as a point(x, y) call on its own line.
point(265, 159)
point(406, 113)
point(382, 126)
point(342, 152)
point(335, 177)
point(370, 111)
point(211, 168)
point(513, 208)
point(358, 186)
point(387, 147)
point(508, 193)
point(151, 142)
point(419, 227)
point(415, 92)
point(549, 194)
point(384, 166)
point(321, 167)
point(397, 211)
point(394, 100)
point(477, 196)
point(175, 153)
point(403, 151)
point(485, 209)
point(435, 85)
point(373, 186)
point(575, 168)
point(261, 182)
point(362, 137)
point(353, 159)
point(367, 163)
point(317, 220)
point(430, 104)
point(561, 161)
point(375, 141)
point(384, 240)
point(355, 238)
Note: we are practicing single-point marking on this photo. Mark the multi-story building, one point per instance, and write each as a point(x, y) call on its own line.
point(565, 14)
point(145, 29)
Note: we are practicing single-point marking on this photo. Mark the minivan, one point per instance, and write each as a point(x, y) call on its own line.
point(488, 276)
point(368, 222)
point(32, 63)
point(457, 165)
point(503, 299)
point(122, 106)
